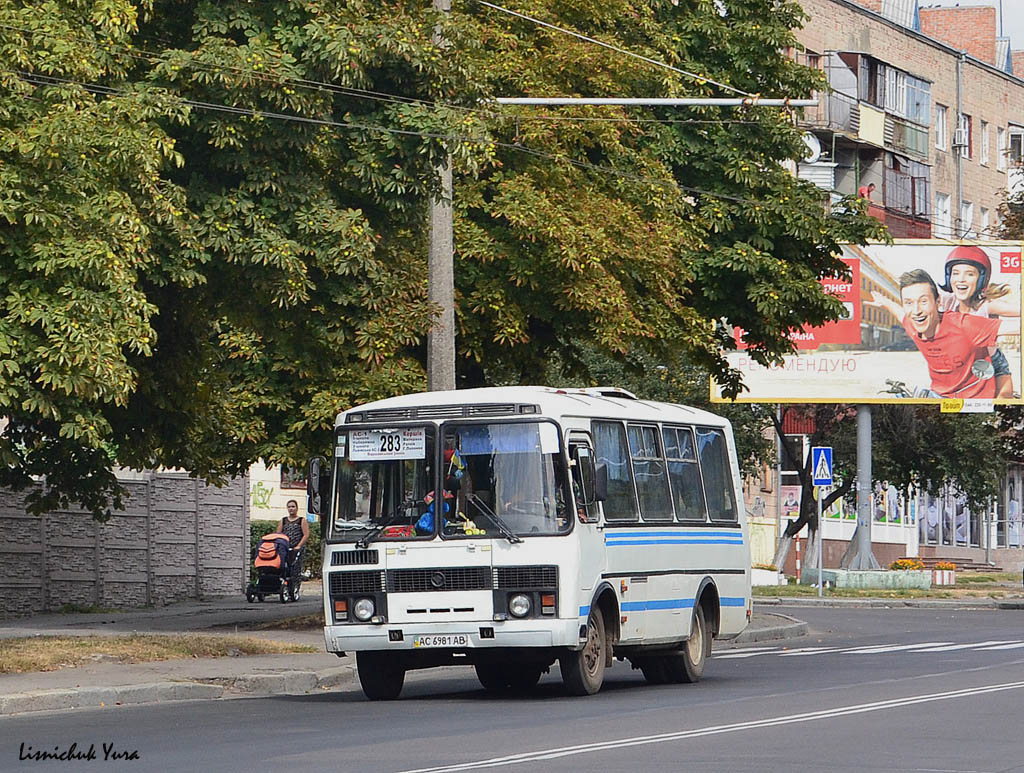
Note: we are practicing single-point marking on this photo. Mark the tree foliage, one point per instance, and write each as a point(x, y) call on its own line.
point(214, 214)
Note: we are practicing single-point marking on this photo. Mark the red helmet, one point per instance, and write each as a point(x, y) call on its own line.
point(972, 256)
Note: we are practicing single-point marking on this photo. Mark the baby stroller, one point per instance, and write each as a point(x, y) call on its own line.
point(272, 570)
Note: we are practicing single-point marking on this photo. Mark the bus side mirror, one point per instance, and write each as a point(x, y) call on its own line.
point(318, 482)
point(601, 482)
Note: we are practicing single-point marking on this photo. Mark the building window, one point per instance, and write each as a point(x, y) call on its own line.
point(984, 143)
point(919, 100)
point(966, 219)
point(943, 217)
point(983, 226)
point(1016, 147)
point(941, 141)
point(963, 139)
point(1000, 148)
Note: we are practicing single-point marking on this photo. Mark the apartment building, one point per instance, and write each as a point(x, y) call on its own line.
point(925, 105)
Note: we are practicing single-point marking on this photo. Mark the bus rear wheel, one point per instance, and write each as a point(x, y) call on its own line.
point(379, 677)
point(583, 670)
point(688, 664)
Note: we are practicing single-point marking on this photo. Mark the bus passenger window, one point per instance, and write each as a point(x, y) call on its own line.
point(649, 469)
point(684, 475)
point(717, 474)
point(612, 451)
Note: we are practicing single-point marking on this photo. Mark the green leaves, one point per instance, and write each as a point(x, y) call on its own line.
point(215, 214)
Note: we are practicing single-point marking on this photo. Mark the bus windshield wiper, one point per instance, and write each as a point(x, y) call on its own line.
point(484, 508)
point(394, 517)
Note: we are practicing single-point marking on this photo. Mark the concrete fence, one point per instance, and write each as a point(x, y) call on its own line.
point(177, 539)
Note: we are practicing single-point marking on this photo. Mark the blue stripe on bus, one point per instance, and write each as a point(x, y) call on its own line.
point(675, 533)
point(676, 541)
point(646, 606)
point(642, 606)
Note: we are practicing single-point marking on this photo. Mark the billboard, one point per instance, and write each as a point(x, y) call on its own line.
point(925, 320)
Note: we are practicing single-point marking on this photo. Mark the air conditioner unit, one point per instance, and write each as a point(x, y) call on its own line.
point(960, 137)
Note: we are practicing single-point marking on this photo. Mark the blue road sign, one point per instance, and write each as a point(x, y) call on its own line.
point(821, 465)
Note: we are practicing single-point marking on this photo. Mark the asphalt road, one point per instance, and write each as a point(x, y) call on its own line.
point(867, 690)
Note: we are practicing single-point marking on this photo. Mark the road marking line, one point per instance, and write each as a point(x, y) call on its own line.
point(646, 740)
point(1014, 646)
point(747, 649)
point(741, 655)
point(896, 647)
point(978, 644)
point(808, 651)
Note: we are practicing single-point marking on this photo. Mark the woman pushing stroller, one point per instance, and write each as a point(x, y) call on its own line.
point(296, 528)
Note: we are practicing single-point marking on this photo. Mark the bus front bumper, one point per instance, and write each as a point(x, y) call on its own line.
point(530, 633)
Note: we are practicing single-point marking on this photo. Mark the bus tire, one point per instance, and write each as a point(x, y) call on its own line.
point(512, 677)
point(654, 669)
point(524, 678)
point(379, 677)
point(493, 676)
point(583, 670)
point(687, 666)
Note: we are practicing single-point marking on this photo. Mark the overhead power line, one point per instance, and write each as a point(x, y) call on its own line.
point(625, 52)
point(48, 80)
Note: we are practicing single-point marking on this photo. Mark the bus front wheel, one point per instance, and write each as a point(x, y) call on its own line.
point(379, 677)
point(583, 670)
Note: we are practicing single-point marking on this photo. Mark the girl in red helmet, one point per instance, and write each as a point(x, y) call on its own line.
point(968, 290)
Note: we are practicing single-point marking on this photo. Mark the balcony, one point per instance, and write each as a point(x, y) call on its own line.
point(901, 226)
point(907, 137)
point(836, 112)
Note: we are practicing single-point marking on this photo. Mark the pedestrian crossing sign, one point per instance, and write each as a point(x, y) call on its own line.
point(821, 465)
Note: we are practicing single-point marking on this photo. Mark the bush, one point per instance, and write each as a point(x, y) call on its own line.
point(905, 564)
point(947, 566)
point(769, 567)
point(258, 529)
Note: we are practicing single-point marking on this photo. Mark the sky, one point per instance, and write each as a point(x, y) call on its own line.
point(1013, 16)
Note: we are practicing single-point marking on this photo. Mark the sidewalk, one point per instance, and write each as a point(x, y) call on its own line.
point(102, 684)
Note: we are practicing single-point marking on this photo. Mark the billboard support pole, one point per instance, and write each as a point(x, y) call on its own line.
point(864, 558)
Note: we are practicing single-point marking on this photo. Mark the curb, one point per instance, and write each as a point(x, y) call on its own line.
point(279, 683)
point(96, 697)
point(791, 630)
point(811, 601)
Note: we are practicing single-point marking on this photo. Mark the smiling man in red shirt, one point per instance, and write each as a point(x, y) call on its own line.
point(955, 345)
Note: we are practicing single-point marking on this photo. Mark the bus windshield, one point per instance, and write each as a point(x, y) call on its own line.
point(504, 479)
point(384, 484)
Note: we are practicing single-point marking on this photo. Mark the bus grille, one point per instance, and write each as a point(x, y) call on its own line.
point(525, 577)
point(343, 583)
point(354, 557)
point(449, 578)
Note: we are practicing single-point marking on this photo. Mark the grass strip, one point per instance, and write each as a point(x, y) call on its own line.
point(51, 653)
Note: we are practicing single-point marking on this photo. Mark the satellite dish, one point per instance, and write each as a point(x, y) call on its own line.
point(813, 148)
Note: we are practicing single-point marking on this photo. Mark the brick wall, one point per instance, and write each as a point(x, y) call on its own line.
point(1017, 57)
point(968, 29)
point(176, 539)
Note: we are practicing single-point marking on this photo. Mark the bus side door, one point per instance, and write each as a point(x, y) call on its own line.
point(589, 531)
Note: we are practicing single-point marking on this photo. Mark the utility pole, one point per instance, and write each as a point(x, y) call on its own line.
point(440, 271)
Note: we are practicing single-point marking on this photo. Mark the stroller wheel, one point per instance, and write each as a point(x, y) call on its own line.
point(284, 594)
point(293, 592)
point(250, 596)
point(260, 597)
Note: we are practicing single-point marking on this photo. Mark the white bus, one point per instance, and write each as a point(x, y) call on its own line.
point(510, 528)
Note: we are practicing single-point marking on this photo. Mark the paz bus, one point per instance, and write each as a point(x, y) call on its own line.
point(513, 528)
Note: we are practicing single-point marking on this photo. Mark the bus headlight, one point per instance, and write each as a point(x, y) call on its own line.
point(363, 609)
point(519, 605)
